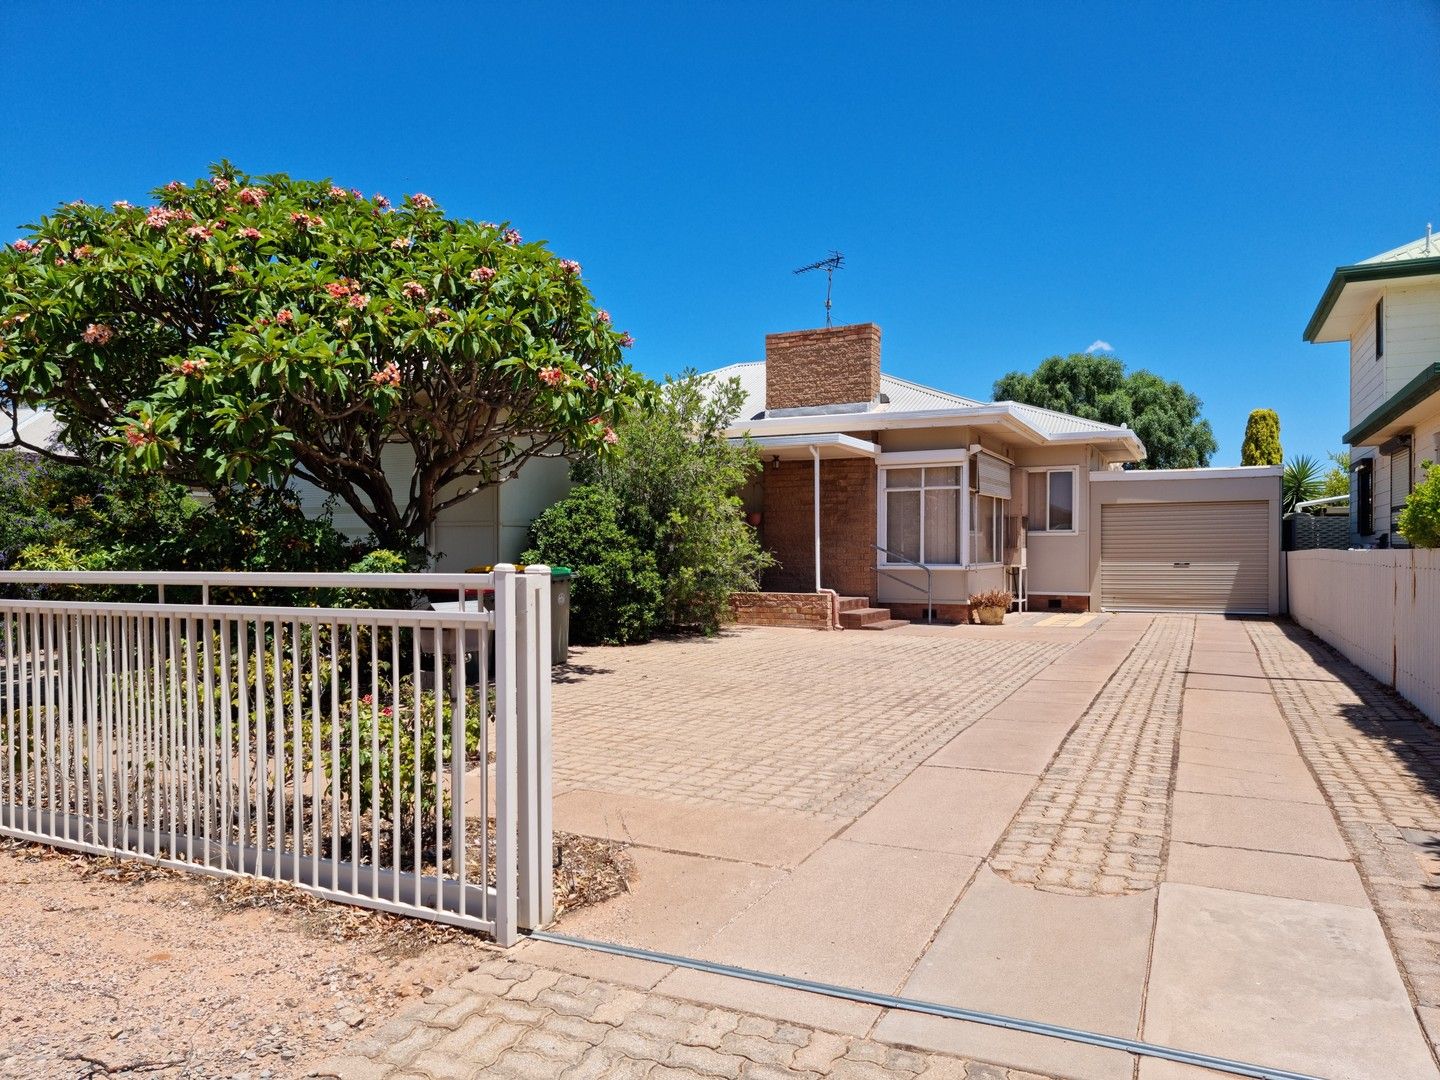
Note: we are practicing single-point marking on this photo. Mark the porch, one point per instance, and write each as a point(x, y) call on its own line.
point(910, 534)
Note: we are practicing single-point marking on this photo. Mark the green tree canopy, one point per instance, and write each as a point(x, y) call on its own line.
point(1300, 481)
point(1337, 479)
point(1262, 439)
point(1163, 414)
point(262, 328)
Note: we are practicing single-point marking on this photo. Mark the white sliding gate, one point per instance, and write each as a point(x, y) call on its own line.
point(392, 758)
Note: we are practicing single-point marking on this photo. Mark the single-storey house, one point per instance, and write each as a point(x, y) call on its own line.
point(905, 500)
point(1388, 309)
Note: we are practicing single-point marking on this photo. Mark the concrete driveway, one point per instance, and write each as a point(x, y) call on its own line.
point(1200, 832)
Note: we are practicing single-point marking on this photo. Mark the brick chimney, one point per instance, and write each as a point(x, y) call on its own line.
point(809, 369)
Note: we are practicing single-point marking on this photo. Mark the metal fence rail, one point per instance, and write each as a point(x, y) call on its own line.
point(371, 756)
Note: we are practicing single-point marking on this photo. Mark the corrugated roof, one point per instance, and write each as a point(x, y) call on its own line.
point(906, 396)
point(1424, 248)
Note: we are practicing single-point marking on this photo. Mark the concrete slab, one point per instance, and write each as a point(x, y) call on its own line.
point(770, 838)
point(1242, 683)
point(855, 914)
point(1270, 873)
point(1038, 710)
point(1283, 983)
point(1257, 728)
point(1256, 703)
point(959, 811)
point(1249, 781)
point(1002, 746)
point(676, 902)
point(1257, 825)
point(1232, 747)
point(1073, 960)
point(640, 974)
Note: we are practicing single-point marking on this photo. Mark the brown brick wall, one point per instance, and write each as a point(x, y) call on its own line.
point(847, 526)
point(835, 366)
point(950, 614)
point(808, 610)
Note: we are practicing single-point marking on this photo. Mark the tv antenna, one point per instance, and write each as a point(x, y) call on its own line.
point(832, 262)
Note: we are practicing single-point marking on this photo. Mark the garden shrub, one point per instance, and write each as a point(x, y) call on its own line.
point(617, 595)
point(1419, 522)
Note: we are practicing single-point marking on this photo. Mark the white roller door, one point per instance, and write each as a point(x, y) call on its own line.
point(1200, 556)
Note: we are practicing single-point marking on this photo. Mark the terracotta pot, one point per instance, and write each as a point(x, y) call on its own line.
point(990, 616)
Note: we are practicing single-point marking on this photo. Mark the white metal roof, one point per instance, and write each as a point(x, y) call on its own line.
point(1424, 248)
point(909, 404)
point(37, 428)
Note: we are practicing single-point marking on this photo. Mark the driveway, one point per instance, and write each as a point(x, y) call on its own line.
point(1205, 833)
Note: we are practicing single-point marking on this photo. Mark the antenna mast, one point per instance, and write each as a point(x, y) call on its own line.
point(832, 262)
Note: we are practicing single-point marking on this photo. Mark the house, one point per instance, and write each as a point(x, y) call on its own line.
point(903, 500)
point(1388, 309)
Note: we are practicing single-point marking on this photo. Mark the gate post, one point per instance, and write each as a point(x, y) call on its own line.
point(537, 843)
point(506, 774)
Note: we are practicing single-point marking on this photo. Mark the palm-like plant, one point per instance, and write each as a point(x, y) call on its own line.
point(1301, 481)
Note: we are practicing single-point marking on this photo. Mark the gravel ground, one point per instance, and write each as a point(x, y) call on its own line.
point(117, 969)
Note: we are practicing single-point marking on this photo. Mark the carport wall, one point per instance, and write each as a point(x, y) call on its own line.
point(1171, 486)
point(847, 525)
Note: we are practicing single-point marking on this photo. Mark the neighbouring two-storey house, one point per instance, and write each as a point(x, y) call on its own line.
point(1388, 309)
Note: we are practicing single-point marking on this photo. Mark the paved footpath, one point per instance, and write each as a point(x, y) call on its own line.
point(508, 1019)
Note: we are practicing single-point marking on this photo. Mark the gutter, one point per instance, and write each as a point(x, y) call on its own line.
point(1423, 386)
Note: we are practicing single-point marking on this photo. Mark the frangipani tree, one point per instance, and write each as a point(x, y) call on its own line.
point(262, 328)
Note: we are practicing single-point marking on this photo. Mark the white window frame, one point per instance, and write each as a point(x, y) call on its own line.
point(999, 538)
point(924, 459)
point(1074, 471)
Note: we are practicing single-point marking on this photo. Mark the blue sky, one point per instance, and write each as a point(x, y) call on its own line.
point(1006, 182)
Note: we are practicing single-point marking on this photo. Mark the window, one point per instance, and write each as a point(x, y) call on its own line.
point(987, 529)
point(1379, 328)
point(1051, 505)
point(1400, 486)
point(1364, 500)
point(923, 514)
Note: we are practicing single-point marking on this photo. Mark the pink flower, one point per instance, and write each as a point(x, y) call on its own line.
point(570, 266)
point(626, 341)
point(220, 184)
point(602, 317)
point(193, 367)
point(389, 375)
point(381, 201)
point(285, 317)
point(198, 232)
point(338, 192)
point(305, 221)
point(59, 261)
point(98, 334)
point(436, 314)
point(250, 234)
point(401, 242)
point(551, 376)
point(414, 290)
point(355, 194)
point(23, 246)
point(137, 438)
point(358, 300)
point(512, 237)
point(174, 185)
point(421, 201)
point(338, 289)
point(591, 381)
point(610, 437)
point(251, 196)
point(84, 251)
point(121, 204)
point(157, 217)
point(482, 273)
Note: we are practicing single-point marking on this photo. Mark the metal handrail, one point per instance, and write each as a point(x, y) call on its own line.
point(906, 560)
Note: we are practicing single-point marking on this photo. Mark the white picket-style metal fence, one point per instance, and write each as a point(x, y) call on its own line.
point(394, 758)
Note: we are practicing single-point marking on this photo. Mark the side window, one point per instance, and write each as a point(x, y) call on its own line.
point(1364, 498)
point(1379, 328)
point(1050, 497)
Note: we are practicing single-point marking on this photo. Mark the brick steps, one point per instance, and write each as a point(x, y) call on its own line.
point(857, 614)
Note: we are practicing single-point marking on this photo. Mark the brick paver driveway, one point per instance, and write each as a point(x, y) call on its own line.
point(1203, 833)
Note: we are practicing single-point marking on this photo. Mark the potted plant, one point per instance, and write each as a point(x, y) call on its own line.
point(989, 608)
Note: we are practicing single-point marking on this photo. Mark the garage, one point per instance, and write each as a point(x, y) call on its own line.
point(1178, 543)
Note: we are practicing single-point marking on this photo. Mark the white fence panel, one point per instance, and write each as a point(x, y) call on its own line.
point(344, 750)
point(1381, 609)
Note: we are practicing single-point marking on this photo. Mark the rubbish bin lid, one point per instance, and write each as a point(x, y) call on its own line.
point(561, 572)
